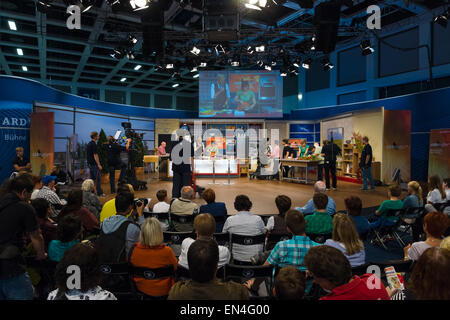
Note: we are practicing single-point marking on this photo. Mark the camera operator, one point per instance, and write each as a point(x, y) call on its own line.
point(113, 150)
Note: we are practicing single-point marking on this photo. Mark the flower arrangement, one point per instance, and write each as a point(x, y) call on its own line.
point(357, 141)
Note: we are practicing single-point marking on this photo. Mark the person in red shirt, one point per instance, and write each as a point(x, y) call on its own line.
point(162, 149)
point(331, 270)
point(75, 206)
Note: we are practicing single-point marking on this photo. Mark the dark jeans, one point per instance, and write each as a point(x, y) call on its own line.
point(96, 176)
point(367, 177)
point(180, 179)
point(320, 172)
point(330, 168)
point(112, 174)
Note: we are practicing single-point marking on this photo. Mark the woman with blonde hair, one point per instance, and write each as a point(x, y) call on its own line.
point(150, 252)
point(346, 239)
point(90, 199)
point(414, 198)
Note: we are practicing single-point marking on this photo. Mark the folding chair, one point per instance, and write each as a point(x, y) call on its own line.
point(116, 278)
point(246, 240)
point(176, 237)
point(274, 238)
point(409, 217)
point(183, 274)
point(319, 238)
point(222, 238)
point(150, 274)
point(390, 231)
point(244, 273)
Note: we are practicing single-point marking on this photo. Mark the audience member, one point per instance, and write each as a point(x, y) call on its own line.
point(244, 223)
point(394, 203)
point(354, 208)
point(17, 218)
point(90, 199)
point(109, 208)
point(414, 198)
point(162, 207)
point(68, 232)
point(216, 209)
point(436, 194)
point(184, 207)
point(429, 279)
point(289, 284)
point(446, 188)
point(277, 224)
point(309, 208)
point(434, 225)
point(204, 226)
point(37, 181)
point(47, 225)
point(48, 192)
point(331, 270)
point(150, 252)
point(75, 206)
point(86, 258)
point(203, 259)
point(320, 222)
point(61, 175)
point(346, 239)
point(119, 233)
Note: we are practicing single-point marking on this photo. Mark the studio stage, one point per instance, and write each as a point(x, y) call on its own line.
point(262, 193)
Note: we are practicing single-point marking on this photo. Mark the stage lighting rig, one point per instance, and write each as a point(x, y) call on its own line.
point(366, 47)
point(139, 4)
point(327, 65)
point(307, 63)
point(442, 19)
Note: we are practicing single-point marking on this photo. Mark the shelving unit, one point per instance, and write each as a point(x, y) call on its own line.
point(350, 161)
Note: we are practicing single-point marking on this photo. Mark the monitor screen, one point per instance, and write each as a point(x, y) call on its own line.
point(241, 94)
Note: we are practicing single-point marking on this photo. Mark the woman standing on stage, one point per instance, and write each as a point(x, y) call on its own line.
point(303, 148)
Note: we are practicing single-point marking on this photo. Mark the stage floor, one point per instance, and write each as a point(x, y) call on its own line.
point(262, 193)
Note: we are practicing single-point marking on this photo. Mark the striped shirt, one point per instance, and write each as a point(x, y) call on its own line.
point(291, 252)
point(52, 198)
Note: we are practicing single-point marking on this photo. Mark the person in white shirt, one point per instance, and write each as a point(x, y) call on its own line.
point(162, 207)
point(204, 226)
point(436, 194)
point(244, 223)
point(37, 180)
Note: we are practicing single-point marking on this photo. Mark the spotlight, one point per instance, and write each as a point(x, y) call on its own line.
point(219, 49)
point(130, 55)
point(24, 68)
point(169, 66)
point(138, 67)
point(123, 79)
point(118, 53)
point(256, 4)
point(307, 63)
point(195, 51)
point(113, 2)
point(19, 52)
point(203, 64)
point(86, 5)
point(175, 85)
point(297, 63)
point(196, 76)
point(260, 49)
point(366, 47)
point(259, 63)
point(139, 4)
point(442, 20)
point(235, 61)
point(12, 25)
point(327, 65)
point(132, 39)
point(43, 5)
point(250, 50)
point(267, 67)
point(194, 69)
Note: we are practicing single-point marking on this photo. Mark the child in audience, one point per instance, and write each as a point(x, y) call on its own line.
point(162, 207)
point(69, 232)
point(47, 225)
point(414, 198)
point(346, 239)
point(394, 203)
point(434, 225)
point(436, 195)
point(150, 252)
point(320, 222)
point(37, 181)
point(429, 279)
point(75, 206)
point(354, 208)
point(86, 258)
point(289, 284)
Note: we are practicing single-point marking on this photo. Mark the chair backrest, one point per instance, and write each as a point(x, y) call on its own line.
point(182, 272)
point(222, 238)
point(243, 273)
point(112, 269)
point(395, 212)
point(116, 278)
point(182, 219)
point(176, 237)
point(273, 238)
point(412, 212)
point(319, 238)
point(153, 273)
point(161, 215)
point(247, 240)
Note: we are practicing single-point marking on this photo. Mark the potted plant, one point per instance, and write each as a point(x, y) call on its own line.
point(357, 141)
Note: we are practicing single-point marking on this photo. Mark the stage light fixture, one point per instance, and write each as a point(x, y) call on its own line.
point(195, 51)
point(283, 73)
point(267, 67)
point(203, 64)
point(442, 19)
point(250, 50)
point(24, 68)
point(259, 63)
point(19, 52)
point(307, 63)
point(196, 75)
point(169, 66)
point(260, 48)
point(130, 55)
point(118, 53)
point(139, 4)
point(327, 65)
point(366, 47)
point(86, 5)
point(256, 4)
point(138, 67)
point(219, 49)
point(123, 79)
point(132, 39)
point(175, 85)
point(297, 63)
point(113, 2)
point(12, 25)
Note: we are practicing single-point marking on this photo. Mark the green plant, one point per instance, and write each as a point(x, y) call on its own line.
point(357, 141)
point(101, 151)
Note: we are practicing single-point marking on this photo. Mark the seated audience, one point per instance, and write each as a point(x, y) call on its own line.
point(47, 225)
point(289, 284)
point(320, 222)
point(119, 233)
point(309, 208)
point(61, 176)
point(90, 199)
point(17, 219)
point(244, 223)
point(434, 225)
point(354, 207)
point(212, 207)
point(37, 181)
point(346, 239)
point(162, 207)
point(150, 252)
point(429, 279)
point(48, 192)
point(277, 224)
point(86, 258)
point(331, 270)
point(75, 206)
point(184, 207)
point(109, 208)
point(68, 232)
point(414, 198)
point(436, 195)
point(204, 226)
point(203, 259)
point(394, 203)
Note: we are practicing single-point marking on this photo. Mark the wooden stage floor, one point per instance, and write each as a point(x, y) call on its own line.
point(262, 193)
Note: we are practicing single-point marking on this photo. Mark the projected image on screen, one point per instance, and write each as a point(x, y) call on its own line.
point(241, 94)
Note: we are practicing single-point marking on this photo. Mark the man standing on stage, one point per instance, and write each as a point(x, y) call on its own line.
point(94, 163)
point(366, 164)
point(330, 151)
point(182, 157)
point(113, 150)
